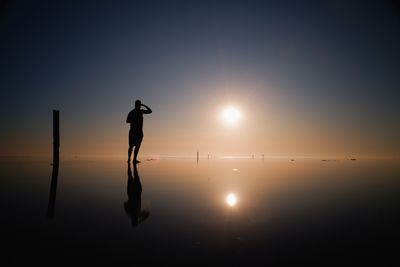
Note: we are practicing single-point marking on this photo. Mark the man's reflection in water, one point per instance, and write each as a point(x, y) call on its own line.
point(134, 203)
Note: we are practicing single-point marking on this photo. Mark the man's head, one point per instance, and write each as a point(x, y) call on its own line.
point(138, 103)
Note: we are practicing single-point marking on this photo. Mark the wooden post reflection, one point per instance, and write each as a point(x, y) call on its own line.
point(53, 191)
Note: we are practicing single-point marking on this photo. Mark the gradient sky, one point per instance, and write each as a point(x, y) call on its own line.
point(311, 77)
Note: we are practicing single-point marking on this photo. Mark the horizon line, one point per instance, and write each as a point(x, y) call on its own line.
point(147, 157)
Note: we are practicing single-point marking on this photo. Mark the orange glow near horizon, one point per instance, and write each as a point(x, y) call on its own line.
point(237, 123)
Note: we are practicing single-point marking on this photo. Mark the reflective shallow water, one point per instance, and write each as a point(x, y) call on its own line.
point(218, 212)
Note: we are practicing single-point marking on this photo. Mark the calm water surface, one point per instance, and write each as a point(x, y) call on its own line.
point(218, 212)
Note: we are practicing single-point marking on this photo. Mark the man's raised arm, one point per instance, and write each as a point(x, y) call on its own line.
point(148, 110)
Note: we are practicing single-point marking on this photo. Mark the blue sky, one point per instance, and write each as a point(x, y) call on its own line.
point(313, 77)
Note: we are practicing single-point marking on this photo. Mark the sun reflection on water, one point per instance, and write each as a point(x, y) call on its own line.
point(231, 199)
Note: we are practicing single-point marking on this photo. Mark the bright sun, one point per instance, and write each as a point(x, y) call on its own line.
point(231, 115)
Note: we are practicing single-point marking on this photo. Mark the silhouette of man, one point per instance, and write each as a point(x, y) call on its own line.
point(135, 118)
point(134, 204)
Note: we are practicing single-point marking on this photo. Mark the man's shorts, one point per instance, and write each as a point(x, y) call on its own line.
point(135, 138)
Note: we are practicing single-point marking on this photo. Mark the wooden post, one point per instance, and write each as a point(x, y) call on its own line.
point(56, 136)
point(56, 158)
point(197, 156)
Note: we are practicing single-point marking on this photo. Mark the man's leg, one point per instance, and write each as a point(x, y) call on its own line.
point(130, 153)
point(137, 147)
point(130, 135)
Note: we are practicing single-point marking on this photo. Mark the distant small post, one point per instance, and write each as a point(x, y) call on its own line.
point(56, 136)
point(197, 156)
